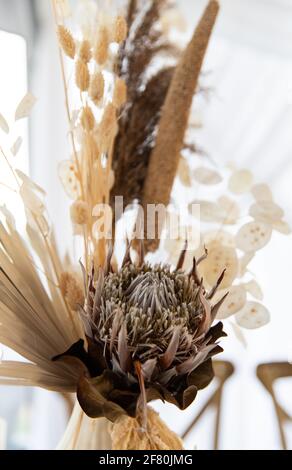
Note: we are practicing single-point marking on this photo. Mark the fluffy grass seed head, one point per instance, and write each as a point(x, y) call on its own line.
point(72, 290)
point(108, 127)
point(82, 75)
point(120, 29)
point(66, 41)
point(87, 119)
point(85, 53)
point(120, 93)
point(101, 47)
point(96, 88)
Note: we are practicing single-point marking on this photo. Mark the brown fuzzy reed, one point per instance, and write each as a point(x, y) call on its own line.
point(164, 159)
point(145, 96)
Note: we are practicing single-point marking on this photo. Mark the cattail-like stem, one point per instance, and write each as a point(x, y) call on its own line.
point(174, 117)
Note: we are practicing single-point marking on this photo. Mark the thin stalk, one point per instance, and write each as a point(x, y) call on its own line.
point(67, 106)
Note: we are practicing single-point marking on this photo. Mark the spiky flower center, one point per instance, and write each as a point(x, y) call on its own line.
point(151, 302)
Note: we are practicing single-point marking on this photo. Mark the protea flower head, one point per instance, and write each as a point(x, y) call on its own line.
point(150, 335)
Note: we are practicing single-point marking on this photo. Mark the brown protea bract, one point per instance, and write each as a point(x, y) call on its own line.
point(150, 335)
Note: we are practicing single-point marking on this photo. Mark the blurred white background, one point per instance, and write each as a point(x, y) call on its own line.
point(247, 120)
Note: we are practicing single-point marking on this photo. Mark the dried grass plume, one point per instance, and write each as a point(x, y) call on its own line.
point(66, 41)
point(82, 76)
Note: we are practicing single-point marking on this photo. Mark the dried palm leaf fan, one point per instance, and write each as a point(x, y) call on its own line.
point(145, 164)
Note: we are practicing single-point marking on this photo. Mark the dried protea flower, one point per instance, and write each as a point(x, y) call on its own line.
point(150, 335)
point(96, 87)
point(82, 75)
point(66, 41)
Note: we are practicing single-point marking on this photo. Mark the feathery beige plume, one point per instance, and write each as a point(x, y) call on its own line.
point(120, 29)
point(66, 41)
point(120, 93)
point(165, 157)
point(101, 47)
point(87, 119)
point(108, 127)
point(96, 88)
point(72, 290)
point(82, 75)
point(91, 147)
point(85, 51)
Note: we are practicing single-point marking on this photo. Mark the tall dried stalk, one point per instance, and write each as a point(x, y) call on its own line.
point(174, 118)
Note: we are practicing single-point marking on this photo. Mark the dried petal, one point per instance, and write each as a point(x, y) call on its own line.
point(234, 302)
point(16, 146)
point(31, 201)
point(266, 211)
point(244, 262)
point(68, 177)
point(218, 259)
point(253, 236)
point(219, 237)
point(240, 181)
point(253, 315)
point(282, 227)
point(184, 172)
point(3, 124)
point(254, 289)
point(29, 182)
point(25, 106)
point(230, 208)
point(209, 211)
point(206, 176)
point(262, 192)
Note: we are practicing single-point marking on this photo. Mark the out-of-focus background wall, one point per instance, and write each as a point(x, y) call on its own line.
point(247, 120)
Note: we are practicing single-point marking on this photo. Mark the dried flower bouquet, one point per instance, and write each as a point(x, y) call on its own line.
point(121, 334)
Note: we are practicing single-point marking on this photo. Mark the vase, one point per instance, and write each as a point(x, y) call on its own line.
point(84, 433)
